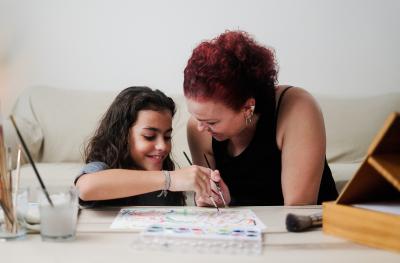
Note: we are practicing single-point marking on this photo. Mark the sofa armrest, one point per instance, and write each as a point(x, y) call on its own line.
point(31, 134)
point(28, 126)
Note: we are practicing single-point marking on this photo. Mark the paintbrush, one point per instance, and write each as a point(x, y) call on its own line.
point(211, 198)
point(28, 154)
point(216, 183)
point(16, 187)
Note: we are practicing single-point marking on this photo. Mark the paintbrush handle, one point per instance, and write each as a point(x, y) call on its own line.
point(187, 158)
point(25, 147)
point(216, 183)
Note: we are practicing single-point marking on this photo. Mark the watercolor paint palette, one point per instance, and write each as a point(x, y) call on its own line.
point(251, 234)
point(205, 218)
point(200, 240)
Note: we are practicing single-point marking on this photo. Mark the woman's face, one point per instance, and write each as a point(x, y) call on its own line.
point(216, 118)
point(150, 139)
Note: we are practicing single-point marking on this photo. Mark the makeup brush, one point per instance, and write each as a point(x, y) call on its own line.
point(298, 223)
point(211, 198)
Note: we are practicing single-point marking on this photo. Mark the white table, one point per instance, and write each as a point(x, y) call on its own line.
point(96, 242)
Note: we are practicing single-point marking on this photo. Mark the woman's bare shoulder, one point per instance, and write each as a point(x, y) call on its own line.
point(297, 99)
point(298, 109)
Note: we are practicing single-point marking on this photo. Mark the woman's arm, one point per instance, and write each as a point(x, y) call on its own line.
point(301, 138)
point(118, 183)
point(200, 143)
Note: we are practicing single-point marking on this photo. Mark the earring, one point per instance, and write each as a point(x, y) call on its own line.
point(248, 121)
point(249, 118)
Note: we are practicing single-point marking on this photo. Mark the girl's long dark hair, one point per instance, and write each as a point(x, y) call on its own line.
point(110, 143)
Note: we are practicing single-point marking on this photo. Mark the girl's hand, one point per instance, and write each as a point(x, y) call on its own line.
point(215, 179)
point(193, 178)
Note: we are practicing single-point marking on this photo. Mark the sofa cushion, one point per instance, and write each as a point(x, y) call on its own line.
point(65, 120)
point(57, 123)
point(179, 140)
point(352, 123)
point(343, 172)
point(52, 174)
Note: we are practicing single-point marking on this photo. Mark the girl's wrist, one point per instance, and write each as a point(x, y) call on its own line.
point(172, 186)
point(167, 184)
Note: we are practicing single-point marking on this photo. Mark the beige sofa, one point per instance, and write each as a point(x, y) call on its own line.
point(56, 123)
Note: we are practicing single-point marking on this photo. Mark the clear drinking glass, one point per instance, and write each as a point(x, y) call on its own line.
point(58, 222)
point(9, 231)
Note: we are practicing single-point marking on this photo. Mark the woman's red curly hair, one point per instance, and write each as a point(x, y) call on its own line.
point(230, 69)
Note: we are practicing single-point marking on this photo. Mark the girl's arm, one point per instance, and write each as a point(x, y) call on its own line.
point(119, 183)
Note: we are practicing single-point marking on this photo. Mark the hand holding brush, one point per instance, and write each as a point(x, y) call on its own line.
point(211, 198)
point(216, 183)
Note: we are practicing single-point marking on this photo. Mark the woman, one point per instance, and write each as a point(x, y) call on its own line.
point(267, 141)
point(128, 158)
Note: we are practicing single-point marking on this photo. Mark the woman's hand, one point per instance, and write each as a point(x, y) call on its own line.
point(193, 178)
point(215, 179)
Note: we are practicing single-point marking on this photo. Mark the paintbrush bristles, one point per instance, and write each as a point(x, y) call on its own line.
point(298, 223)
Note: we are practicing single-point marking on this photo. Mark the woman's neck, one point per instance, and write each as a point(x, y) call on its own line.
point(239, 143)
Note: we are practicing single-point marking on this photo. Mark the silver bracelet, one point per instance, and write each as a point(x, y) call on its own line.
point(167, 184)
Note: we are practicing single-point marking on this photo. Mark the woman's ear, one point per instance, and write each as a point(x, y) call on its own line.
point(249, 106)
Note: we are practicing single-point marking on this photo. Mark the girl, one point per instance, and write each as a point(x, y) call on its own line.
point(128, 158)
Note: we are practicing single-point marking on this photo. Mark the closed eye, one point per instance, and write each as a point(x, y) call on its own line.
point(149, 138)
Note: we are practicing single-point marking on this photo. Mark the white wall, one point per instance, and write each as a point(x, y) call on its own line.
point(344, 47)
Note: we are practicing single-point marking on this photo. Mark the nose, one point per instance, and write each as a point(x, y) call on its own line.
point(201, 126)
point(161, 145)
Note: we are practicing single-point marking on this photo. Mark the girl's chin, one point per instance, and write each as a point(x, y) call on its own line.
point(152, 164)
point(153, 167)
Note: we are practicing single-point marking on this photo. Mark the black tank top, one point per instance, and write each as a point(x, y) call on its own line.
point(254, 176)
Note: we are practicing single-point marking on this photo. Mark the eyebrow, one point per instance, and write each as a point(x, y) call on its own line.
point(212, 120)
point(156, 129)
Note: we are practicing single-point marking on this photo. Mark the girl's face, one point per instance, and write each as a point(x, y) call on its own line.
point(150, 139)
point(216, 118)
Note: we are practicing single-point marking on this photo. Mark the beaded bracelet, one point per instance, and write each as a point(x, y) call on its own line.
point(167, 184)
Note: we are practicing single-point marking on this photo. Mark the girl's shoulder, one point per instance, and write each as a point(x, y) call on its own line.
point(93, 167)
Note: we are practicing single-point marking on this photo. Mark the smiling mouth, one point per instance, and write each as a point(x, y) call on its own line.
point(157, 157)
